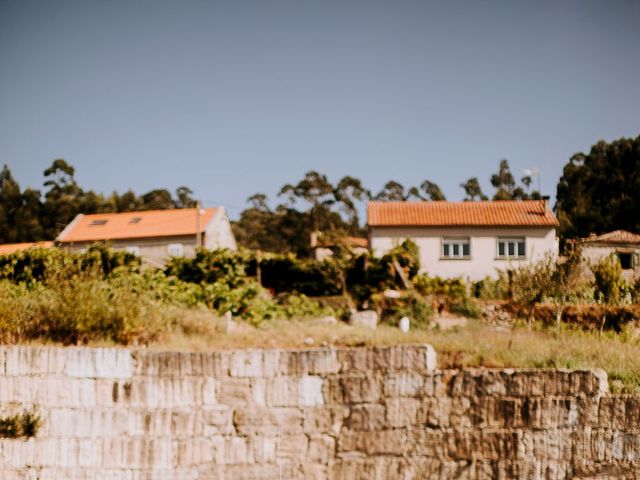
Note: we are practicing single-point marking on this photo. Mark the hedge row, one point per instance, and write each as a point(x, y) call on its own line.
point(358, 275)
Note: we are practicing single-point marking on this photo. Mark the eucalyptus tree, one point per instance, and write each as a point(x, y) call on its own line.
point(472, 190)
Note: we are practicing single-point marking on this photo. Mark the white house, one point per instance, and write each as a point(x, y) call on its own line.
point(470, 240)
point(155, 235)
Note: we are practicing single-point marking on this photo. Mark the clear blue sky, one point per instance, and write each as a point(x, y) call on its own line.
point(232, 98)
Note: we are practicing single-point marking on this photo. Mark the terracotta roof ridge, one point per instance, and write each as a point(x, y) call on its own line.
point(133, 212)
point(615, 236)
point(529, 213)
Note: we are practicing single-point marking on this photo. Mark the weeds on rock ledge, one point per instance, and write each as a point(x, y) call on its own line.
point(20, 425)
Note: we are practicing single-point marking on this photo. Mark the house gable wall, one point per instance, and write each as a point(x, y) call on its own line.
point(218, 233)
point(153, 251)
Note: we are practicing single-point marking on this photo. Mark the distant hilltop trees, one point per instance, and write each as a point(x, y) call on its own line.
point(30, 215)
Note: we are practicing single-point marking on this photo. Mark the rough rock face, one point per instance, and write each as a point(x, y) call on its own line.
point(368, 413)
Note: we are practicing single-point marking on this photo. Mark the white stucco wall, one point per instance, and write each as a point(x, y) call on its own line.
point(595, 253)
point(483, 260)
point(153, 251)
point(218, 233)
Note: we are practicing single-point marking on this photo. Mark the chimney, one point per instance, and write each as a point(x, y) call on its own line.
point(545, 201)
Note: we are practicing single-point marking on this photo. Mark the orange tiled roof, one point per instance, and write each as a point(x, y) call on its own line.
point(152, 223)
point(503, 213)
point(617, 236)
point(7, 248)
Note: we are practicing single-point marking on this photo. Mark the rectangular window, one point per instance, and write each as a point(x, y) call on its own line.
point(175, 249)
point(456, 248)
point(512, 248)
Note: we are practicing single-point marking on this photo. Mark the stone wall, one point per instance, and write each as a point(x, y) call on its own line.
point(378, 413)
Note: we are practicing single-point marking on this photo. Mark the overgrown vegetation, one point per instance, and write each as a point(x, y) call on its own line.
point(20, 425)
point(105, 295)
point(344, 273)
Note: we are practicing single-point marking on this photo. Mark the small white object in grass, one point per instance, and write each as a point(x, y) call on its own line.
point(309, 341)
point(404, 324)
point(389, 293)
point(228, 322)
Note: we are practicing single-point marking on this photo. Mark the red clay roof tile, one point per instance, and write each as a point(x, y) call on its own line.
point(524, 213)
point(7, 248)
point(152, 223)
point(617, 236)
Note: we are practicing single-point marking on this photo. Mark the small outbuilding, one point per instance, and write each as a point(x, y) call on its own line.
point(625, 245)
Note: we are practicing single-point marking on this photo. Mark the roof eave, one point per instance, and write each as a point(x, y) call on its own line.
point(465, 225)
point(103, 239)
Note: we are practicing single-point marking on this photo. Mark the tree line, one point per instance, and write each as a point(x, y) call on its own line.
point(598, 191)
point(31, 215)
point(316, 204)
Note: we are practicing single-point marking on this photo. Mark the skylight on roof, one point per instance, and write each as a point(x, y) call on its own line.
point(97, 222)
point(135, 220)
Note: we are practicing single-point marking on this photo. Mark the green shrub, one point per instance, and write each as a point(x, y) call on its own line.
point(31, 265)
point(75, 298)
point(466, 307)
point(286, 273)
point(303, 306)
point(453, 287)
point(608, 282)
point(360, 276)
point(410, 304)
point(492, 288)
point(101, 295)
point(249, 301)
point(210, 266)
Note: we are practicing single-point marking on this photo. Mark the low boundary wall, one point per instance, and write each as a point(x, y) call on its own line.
point(352, 413)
